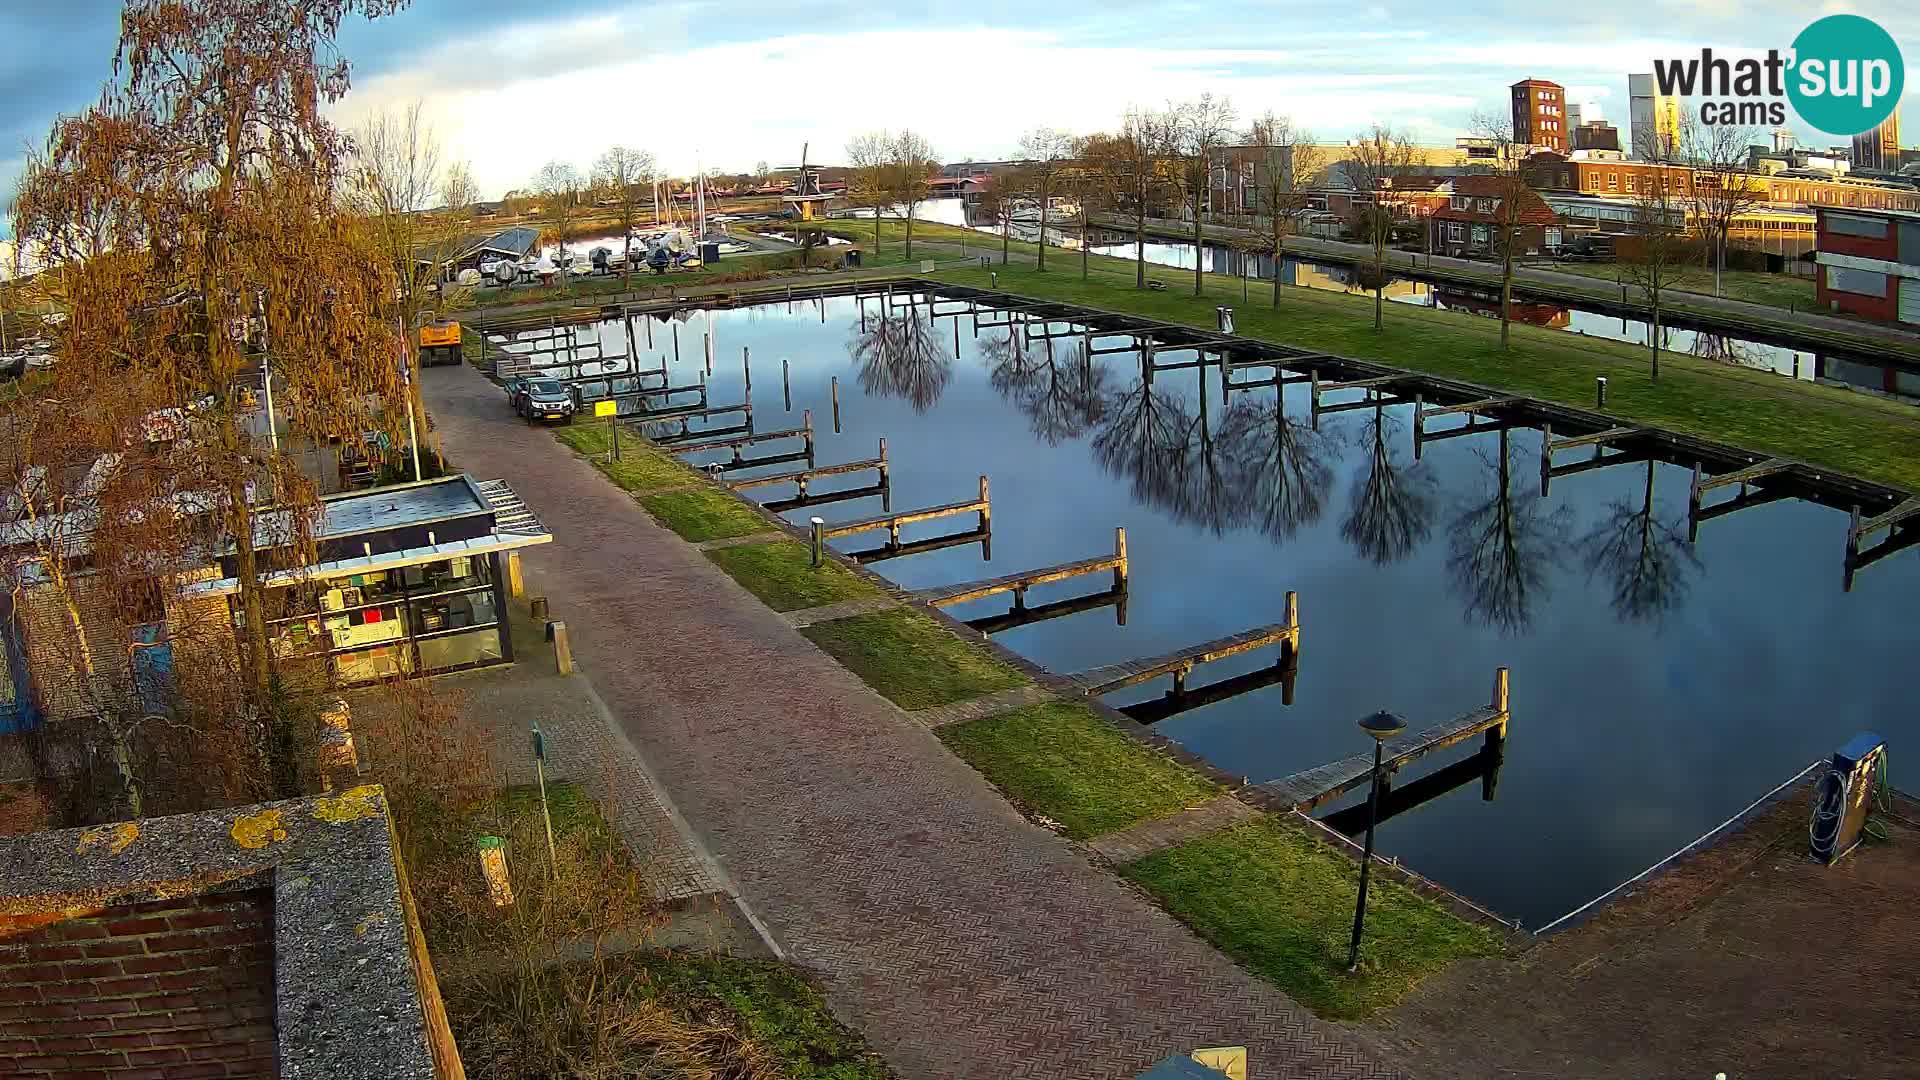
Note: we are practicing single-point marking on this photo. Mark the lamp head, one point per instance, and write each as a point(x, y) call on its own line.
point(1383, 725)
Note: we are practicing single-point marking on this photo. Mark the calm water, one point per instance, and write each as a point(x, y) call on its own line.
point(1305, 272)
point(1657, 688)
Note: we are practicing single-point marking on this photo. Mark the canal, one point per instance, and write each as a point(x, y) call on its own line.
point(1755, 352)
point(1657, 687)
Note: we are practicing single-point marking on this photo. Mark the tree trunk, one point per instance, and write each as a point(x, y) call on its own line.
point(909, 232)
point(1083, 241)
point(1279, 245)
point(1199, 248)
point(1040, 259)
point(1140, 252)
point(1653, 336)
point(1506, 292)
point(876, 230)
point(1379, 279)
point(1006, 235)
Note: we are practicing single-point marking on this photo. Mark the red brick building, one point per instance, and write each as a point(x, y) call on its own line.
point(1540, 114)
point(1869, 264)
point(1469, 221)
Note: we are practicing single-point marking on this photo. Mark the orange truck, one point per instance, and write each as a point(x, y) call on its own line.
point(439, 343)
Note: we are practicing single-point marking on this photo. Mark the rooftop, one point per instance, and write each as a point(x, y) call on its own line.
point(281, 931)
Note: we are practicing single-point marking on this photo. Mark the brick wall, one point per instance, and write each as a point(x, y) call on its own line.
point(169, 990)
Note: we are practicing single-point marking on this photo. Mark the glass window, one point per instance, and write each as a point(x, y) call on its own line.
point(1858, 282)
point(380, 662)
point(453, 611)
point(459, 650)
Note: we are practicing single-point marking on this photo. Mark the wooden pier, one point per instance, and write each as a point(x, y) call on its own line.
point(1702, 484)
point(1375, 387)
point(736, 443)
point(892, 522)
point(802, 480)
point(1180, 663)
point(1154, 710)
point(1038, 613)
point(1019, 583)
point(1476, 412)
point(1312, 788)
point(1902, 526)
point(1600, 440)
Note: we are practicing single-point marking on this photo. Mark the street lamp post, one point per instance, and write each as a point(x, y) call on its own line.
point(1382, 726)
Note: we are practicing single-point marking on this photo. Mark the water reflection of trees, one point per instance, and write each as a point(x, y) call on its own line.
point(1392, 510)
point(1063, 394)
point(1645, 560)
point(1502, 550)
point(899, 354)
point(1253, 466)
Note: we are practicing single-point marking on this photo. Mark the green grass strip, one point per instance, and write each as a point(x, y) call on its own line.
point(1062, 761)
point(783, 576)
point(641, 468)
point(704, 514)
point(911, 659)
point(1866, 436)
point(1281, 903)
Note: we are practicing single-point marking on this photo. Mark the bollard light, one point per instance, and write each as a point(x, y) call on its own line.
point(819, 540)
point(1381, 726)
point(1600, 391)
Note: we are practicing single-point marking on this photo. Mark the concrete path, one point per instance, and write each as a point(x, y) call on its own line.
point(962, 940)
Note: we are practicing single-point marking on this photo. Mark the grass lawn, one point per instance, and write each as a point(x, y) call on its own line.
point(704, 514)
point(1777, 290)
point(1281, 903)
point(641, 468)
point(1859, 434)
point(912, 659)
point(1062, 761)
point(783, 576)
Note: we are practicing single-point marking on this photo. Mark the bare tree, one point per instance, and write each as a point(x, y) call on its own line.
point(1382, 160)
point(1287, 162)
point(1131, 164)
point(1657, 246)
point(997, 200)
point(1048, 153)
point(1089, 187)
point(395, 178)
point(624, 175)
point(1200, 128)
point(1722, 190)
point(910, 158)
point(871, 156)
point(1509, 191)
point(458, 191)
point(559, 184)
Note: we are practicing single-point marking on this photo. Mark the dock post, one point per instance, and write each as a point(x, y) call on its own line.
point(986, 507)
point(516, 584)
point(786, 381)
point(1693, 507)
point(819, 540)
point(633, 354)
point(1546, 458)
point(706, 349)
point(746, 370)
point(649, 326)
point(562, 648)
point(806, 422)
point(676, 343)
point(886, 479)
point(1120, 553)
point(956, 337)
point(1292, 650)
point(1180, 681)
point(1420, 423)
point(836, 404)
point(1499, 705)
point(1313, 400)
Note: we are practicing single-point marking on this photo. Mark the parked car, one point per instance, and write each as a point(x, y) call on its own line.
point(546, 399)
point(514, 388)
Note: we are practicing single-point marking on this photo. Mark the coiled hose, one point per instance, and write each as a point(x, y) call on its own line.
point(1830, 806)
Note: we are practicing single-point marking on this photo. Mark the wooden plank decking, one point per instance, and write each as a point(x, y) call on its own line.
point(1107, 679)
point(1018, 583)
point(1322, 784)
point(892, 522)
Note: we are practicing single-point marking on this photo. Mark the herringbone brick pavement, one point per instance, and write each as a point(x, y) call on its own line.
point(962, 940)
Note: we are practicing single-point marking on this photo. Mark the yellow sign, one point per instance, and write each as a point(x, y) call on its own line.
point(1231, 1060)
point(604, 408)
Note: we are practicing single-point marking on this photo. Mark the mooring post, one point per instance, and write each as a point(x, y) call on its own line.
point(1420, 423)
point(706, 348)
point(676, 343)
point(806, 423)
point(1599, 391)
point(1313, 401)
point(1180, 681)
point(836, 404)
point(1853, 536)
point(956, 337)
point(819, 539)
point(1120, 554)
point(1497, 734)
point(1796, 359)
point(1546, 458)
point(1693, 507)
point(986, 506)
point(886, 480)
point(746, 371)
point(562, 648)
point(1292, 650)
point(633, 353)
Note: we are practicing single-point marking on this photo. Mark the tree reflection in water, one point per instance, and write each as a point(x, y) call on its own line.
point(899, 354)
point(1278, 465)
point(1142, 437)
point(1645, 560)
point(1392, 511)
point(1502, 550)
point(1063, 398)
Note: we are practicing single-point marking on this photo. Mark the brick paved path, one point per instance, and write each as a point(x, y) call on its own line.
point(961, 939)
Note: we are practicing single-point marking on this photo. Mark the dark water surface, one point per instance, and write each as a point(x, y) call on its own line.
point(1657, 688)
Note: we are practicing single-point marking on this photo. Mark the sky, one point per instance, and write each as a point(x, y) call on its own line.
point(509, 85)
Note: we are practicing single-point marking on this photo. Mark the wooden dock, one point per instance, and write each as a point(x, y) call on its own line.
point(1312, 788)
point(1374, 386)
point(1058, 609)
point(1180, 663)
point(1019, 583)
point(736, 443)
point(1600, 441)
point(1902, 526)
point(1702, 484)
point(1154, 710)
point(892, 522)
